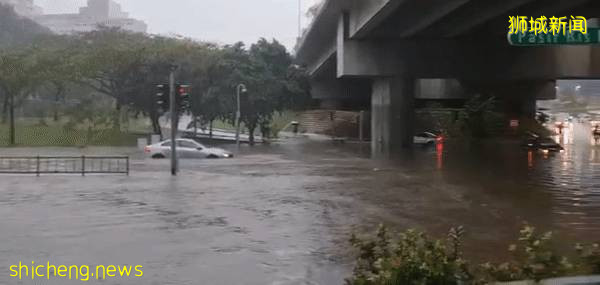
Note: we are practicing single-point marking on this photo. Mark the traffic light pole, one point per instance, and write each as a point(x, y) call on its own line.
point(174, 127)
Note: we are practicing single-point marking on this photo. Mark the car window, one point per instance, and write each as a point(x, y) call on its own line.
point(187, 144)
point(166, 144)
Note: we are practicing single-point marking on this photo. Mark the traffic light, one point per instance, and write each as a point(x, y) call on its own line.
point(183, 96)
point(162, 98)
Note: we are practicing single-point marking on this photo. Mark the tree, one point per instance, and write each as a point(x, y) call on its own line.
point(273, 83)
point(16, 33)
point(59, 54)
point(270, 85)
point(209, 78)
point(111, 61)
point(20, 74)
point(128, 66)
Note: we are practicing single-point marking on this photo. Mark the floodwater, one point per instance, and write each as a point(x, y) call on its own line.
point(282, 214)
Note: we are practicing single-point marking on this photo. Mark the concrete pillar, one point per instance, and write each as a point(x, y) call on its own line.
point(392, 121)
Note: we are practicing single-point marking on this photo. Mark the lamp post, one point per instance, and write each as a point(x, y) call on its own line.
point(299, 19)
point(241, 88)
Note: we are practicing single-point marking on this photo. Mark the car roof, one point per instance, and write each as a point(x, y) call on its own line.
point(430, 134)
point(184, 140)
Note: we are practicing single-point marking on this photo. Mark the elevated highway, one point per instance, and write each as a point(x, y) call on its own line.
point(382, 54)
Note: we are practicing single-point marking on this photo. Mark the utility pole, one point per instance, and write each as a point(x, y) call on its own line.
point(174, 116)
point(241, 88)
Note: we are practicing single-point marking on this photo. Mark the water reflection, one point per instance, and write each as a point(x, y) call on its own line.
point(440, 155)
point(575, 178)
point(555, 189)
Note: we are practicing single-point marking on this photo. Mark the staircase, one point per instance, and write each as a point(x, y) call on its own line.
point(330, 122)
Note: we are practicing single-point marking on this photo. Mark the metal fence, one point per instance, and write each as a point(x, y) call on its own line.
point(65, 165)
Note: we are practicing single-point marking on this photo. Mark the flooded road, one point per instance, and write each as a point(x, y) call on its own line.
point(282, 214)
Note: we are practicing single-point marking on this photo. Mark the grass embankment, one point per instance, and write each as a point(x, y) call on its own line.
point(56, 135)
point(279, 122)
point(45, 132)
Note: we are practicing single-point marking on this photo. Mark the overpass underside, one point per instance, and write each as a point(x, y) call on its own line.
point(385, 54)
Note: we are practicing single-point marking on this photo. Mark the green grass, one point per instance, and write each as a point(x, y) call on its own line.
point(46, 132)
point(56, 135)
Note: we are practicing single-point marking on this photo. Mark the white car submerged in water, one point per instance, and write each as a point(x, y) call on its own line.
point(427, 138)
point(186, 148)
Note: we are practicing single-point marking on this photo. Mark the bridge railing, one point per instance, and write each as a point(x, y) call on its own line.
point(64, 165)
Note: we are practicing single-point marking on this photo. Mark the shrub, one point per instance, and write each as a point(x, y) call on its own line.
point(414, 258)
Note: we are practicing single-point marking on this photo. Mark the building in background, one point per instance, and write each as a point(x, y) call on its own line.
point(24, 8)
point(97, 13)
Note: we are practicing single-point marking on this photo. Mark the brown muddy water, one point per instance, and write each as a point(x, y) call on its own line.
point(282, 214)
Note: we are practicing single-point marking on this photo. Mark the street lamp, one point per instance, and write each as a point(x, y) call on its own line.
point(241, 88)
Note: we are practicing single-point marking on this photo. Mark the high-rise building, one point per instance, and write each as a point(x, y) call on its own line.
point(102, 10)
point(97, 13)
point(24, 8)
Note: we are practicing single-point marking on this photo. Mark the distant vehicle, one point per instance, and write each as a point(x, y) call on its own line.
point(426, 138)
point(186, 148)
point(534, 141)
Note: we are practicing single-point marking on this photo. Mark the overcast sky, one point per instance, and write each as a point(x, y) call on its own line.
point(222, 21)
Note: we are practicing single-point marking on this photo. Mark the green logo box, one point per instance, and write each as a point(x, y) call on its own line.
point(592, 37)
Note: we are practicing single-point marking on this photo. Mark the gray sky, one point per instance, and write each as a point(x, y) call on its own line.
point(221, 21)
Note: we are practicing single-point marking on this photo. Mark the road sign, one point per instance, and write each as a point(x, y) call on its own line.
point(576, 38)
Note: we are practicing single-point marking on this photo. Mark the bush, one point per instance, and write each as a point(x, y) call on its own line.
point(415, 258)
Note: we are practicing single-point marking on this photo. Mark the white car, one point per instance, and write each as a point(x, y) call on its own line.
point(427, 138)
point(186, 148)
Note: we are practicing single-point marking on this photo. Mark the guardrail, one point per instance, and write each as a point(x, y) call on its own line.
point(64, 165)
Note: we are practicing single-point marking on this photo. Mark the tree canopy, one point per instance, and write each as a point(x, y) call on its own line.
point(126, 67)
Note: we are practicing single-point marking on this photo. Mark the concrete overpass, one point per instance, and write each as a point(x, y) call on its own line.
point(386, 53)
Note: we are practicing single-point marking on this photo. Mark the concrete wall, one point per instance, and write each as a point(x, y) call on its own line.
point(346, 94)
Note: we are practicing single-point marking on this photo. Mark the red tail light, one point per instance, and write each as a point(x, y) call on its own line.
point(147, 149)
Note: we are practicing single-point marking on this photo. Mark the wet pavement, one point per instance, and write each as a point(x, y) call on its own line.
point(282, 214)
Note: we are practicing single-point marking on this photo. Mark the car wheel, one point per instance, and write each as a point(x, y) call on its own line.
point(158, 156)
point(212, 156)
